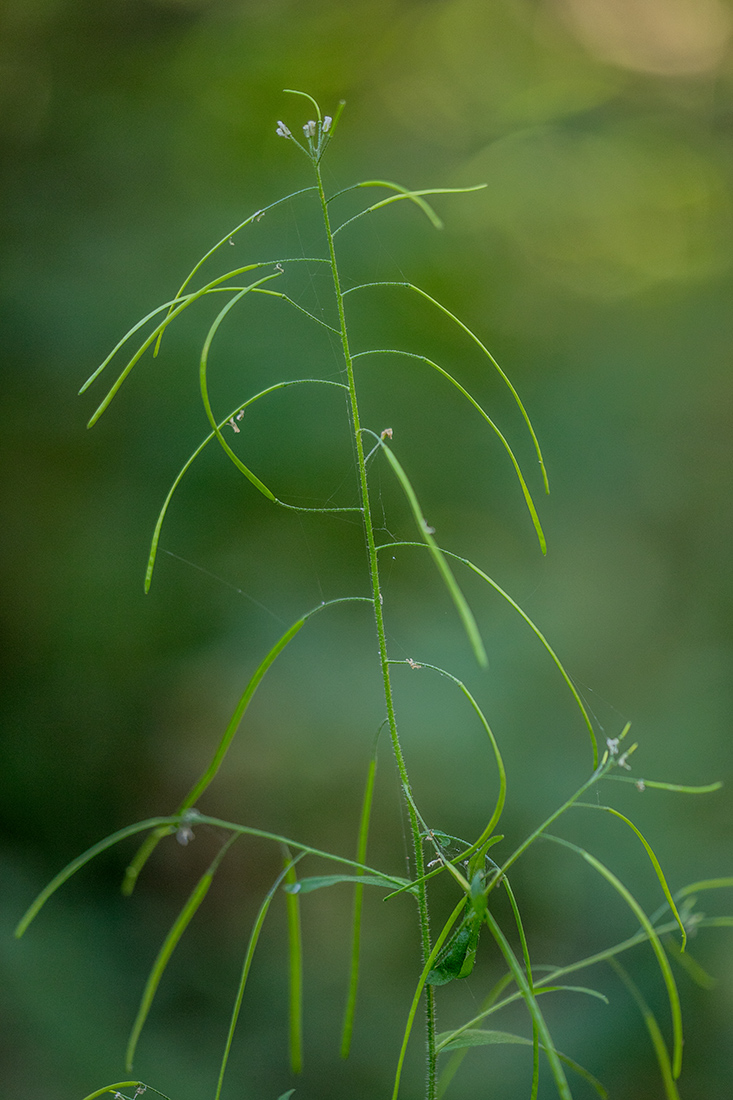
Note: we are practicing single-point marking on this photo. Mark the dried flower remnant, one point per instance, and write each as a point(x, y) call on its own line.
point(184, 835)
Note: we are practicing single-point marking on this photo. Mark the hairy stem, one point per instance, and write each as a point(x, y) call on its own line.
point(379, 620)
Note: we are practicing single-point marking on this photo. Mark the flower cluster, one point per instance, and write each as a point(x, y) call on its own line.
point(316, 136)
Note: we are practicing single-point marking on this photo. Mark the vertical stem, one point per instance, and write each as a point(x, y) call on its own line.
point(379, 620)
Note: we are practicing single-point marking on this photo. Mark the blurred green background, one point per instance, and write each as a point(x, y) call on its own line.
point(597, 267)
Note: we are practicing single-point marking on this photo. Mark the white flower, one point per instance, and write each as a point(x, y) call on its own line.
point(309, 129)
point(327, 120)
point(282, 130)
point(612, 743)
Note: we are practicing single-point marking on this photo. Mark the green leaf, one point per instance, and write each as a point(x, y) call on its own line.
point(464, 611)
point(318, 882)
point(295, 955)
point(653, 937)
point(251, 948)
point(169, 945)
point(490, 1038)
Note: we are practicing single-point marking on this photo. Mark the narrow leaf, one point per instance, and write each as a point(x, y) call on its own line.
point(653, 937)
point(427, 967)
point(203, 367)
point(258, 214)
point(203, 445)
point(654, 861)
point(361, 854)
point(187, 301)
point(660, 1047)
point(533, 1008)
point(533, 627)
point(168, 824)
point(295, 955)
point(464, 611)
point(492, 1038)
point(680, 788)
point(528, 971)
point(704, 884)
point(144, 852)
point(484, 349)
point(517, 469)
point(115, 1088)
point(317, 882)
point(404, 193)
point(169, 945)
point(251, 947)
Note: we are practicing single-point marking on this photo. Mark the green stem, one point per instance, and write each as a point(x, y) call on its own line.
point(384, 661)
